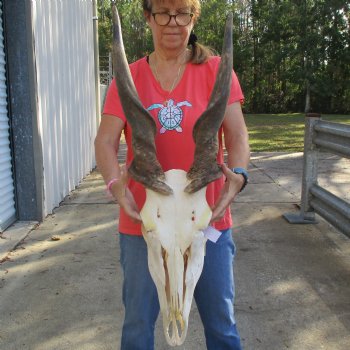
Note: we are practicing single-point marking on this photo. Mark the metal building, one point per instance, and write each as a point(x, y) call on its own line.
point(48, 103)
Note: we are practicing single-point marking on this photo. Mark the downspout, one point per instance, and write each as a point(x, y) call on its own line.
point(97, 62)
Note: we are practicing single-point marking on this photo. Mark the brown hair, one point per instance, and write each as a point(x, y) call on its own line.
point(200, 53)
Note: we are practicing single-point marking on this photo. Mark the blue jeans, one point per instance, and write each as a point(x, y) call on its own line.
point(214, 295)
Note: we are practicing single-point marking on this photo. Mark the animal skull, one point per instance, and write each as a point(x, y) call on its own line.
point(175, 211)
point(172, 228)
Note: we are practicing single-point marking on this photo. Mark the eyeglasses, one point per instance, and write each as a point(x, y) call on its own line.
point(164, 18)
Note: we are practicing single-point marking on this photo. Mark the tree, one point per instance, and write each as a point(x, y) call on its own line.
point(290, 55)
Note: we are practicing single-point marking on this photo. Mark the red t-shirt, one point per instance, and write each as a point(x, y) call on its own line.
point(174, 142)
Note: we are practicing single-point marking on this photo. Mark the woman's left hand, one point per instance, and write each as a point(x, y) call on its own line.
point(233, 185)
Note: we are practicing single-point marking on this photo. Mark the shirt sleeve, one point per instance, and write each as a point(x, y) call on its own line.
point(236, 94)
point(112, 105)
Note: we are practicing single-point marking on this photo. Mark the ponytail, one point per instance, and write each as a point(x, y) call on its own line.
point(200, 53)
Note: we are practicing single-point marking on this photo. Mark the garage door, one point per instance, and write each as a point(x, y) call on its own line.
point(7, 203)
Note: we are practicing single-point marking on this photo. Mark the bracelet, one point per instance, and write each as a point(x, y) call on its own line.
point(110, 184)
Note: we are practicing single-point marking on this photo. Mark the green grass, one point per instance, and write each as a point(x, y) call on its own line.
point(281, 132)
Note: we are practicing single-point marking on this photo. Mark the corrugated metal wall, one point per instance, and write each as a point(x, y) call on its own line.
point(7, 203)
point(63, 32)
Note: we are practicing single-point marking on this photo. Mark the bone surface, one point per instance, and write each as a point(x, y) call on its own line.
point(172, 228)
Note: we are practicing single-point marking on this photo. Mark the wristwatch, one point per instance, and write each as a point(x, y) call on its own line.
point(245, 175)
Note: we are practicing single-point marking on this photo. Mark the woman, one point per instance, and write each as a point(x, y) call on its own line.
point(175, 74)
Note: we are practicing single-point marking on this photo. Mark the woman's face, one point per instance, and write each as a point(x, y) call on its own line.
point(170, 37)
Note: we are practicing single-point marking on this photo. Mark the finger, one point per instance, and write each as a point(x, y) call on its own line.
point(135, 217)
point(131, 200)
point(131, 211)
point(218, 211)
point(220, 208)
point(217, 215)
point(134, 207)
point(225, 169)
point(223, 201)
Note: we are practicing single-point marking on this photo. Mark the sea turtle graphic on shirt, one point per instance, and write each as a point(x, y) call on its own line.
point(170, 116)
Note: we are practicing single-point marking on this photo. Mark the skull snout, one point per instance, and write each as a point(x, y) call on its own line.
point(175, 322)
point(176, 328)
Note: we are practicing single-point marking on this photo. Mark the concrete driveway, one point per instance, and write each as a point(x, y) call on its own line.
point(60, 288)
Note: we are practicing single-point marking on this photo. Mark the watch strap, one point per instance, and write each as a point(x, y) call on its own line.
point(244, 173)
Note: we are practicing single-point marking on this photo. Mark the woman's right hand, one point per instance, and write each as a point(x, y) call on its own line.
point(124, 196)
